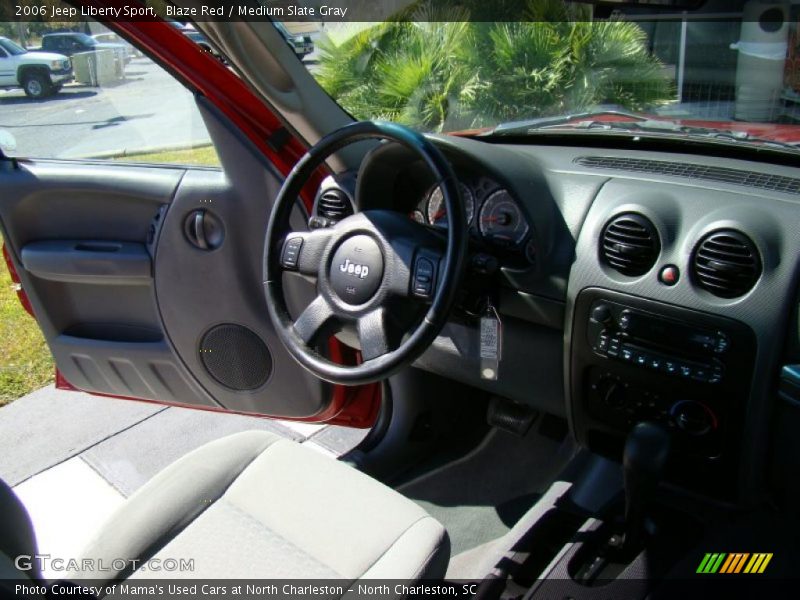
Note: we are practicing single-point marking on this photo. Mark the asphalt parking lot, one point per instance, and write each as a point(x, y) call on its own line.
point(146, 111)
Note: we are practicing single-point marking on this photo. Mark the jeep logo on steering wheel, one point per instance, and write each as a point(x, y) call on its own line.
point(360, 271)
point(356, 269)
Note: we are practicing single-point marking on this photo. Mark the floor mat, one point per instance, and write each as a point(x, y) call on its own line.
point(480, 496)
point(132, 457)
point(338, 440)
point(49, 426)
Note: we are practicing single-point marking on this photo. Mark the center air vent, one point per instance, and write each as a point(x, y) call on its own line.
point(726, 263)
point(334, 204)
point(630, 244)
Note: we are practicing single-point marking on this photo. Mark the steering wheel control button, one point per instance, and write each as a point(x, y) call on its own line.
point(291, 252)
point(357, 269)
point(422, 284)
point(669, 275)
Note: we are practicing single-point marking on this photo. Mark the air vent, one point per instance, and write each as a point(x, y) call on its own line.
point(630, 244)
point(775, 183)
point(334, 205)
point(726, 263)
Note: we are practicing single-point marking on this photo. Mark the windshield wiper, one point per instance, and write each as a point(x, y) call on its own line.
point(640, 124)
point(528, 125)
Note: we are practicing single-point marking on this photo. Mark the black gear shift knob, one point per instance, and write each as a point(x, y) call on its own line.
point(643, 461)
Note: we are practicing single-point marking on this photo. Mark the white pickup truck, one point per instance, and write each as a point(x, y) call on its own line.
point(40, 74)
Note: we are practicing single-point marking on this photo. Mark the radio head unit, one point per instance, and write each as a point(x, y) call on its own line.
point(669, 333)
point(633, 359)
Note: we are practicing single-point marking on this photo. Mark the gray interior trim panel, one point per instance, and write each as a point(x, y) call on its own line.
point(88, 261)
point(682, 214)
point(197, 289)
point(145, 370)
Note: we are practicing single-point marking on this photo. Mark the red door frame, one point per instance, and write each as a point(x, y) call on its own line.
point(355, 406)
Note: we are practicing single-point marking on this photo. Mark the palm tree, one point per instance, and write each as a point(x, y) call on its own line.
point(442, 71)
point(410, 72)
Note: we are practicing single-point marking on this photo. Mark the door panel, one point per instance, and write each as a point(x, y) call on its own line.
point(193, 328)
point(77, 235)
point(130, 303)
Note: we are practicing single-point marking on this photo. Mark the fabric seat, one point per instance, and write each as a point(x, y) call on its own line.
point(256, 506)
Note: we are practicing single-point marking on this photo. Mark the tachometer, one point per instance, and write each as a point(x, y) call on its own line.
point(437, 213)
point(501, 220)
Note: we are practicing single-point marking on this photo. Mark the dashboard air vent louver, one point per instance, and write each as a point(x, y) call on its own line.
point(726, 263)
point(764, 181)
point(630, 244)
point(334, 205)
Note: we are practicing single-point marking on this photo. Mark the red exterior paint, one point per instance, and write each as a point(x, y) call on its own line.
point(352, 406)
point(370, 394)
point(23, 297)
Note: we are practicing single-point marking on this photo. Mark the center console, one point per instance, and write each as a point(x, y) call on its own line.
point(633, 359)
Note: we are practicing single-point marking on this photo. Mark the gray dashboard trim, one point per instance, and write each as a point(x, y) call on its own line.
point(682, 215)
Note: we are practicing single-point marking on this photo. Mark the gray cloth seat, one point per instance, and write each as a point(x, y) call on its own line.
point(256, 506)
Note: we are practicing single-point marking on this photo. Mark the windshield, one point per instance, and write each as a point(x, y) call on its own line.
point(451, 75)
point(11, 47)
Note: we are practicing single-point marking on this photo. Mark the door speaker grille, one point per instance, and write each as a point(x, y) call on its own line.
point(236, 357)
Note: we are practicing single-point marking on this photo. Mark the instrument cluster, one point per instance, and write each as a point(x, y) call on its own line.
point(491, 212)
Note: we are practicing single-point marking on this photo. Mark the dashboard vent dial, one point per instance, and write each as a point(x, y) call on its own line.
point(726, 263)
point(334, 204)
point(630, 244)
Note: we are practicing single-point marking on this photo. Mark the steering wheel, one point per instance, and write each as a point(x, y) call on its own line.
point(368, 267)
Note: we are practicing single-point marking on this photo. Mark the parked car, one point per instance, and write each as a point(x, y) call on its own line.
point(109, 37)
point(70, 43)
point(39, 74)
point(301, 44)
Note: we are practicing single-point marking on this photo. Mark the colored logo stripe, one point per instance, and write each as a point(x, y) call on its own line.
point(711, 563)
point(758, 563)
point(735, 562)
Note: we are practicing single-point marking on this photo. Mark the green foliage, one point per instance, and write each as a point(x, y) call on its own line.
point(437, 74)
point(27, 363)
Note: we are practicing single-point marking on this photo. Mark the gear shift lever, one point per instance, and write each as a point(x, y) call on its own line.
point(645, 455)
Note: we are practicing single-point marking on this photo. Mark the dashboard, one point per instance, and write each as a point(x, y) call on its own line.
point(624, 272)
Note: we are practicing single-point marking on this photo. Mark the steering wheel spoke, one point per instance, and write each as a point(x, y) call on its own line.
point(373, 334)
point(314, 318)
point(424, 275)
point(301, 251)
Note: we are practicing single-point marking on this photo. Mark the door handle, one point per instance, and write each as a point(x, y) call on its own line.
point(204, 229)
point(199, 233)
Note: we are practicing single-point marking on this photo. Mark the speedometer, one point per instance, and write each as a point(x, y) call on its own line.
point(501, 220)
point(436, 211)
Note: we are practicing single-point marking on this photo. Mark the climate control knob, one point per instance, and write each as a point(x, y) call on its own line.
point(612, 392)
point(693, 418)
point(602, 314)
